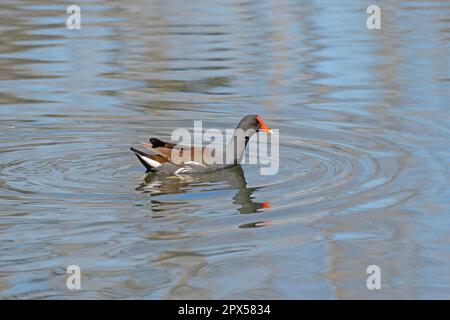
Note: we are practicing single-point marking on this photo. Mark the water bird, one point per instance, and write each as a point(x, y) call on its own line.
point(159, 155)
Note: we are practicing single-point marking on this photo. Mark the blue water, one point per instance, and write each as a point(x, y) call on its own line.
point(364, 131)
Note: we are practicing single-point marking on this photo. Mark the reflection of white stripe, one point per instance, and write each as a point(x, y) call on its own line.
point(182, 170)
point(150, 162)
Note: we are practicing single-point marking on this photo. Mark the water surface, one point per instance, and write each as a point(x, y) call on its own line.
point(364, 131)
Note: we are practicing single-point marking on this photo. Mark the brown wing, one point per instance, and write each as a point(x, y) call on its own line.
point(150, 161)
point(166, 150)
point(159, 158)
point(161, 148)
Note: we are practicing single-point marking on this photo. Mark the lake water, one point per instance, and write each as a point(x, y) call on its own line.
point(364, 149)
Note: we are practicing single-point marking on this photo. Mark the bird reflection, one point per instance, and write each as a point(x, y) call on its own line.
point(234, 177)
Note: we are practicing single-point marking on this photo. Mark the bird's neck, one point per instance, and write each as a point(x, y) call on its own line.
point(236, 147)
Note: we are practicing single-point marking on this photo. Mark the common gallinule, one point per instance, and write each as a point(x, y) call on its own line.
point(161, 157)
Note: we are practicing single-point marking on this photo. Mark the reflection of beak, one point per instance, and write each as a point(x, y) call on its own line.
point(263, 125)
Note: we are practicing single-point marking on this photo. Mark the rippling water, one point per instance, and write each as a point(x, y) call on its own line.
point(364, 134)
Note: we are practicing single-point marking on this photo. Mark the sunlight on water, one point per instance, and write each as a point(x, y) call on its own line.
point(364, 171)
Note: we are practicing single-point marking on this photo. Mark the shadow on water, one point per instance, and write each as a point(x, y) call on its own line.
point(231, 178)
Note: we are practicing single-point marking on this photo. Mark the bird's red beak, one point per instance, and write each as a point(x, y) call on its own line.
point(263, 125)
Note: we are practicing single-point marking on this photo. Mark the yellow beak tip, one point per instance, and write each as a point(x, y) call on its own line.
point(269, 131)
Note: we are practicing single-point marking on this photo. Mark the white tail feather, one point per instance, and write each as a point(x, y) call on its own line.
point(150, 162)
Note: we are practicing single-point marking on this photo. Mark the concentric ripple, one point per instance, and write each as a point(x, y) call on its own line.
point(331, 169)
point(363, 168)
point(317, 166)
